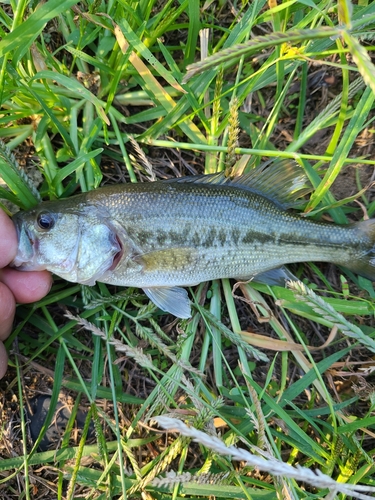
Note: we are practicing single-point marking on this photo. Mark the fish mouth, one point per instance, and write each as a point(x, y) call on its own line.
point(24, 259)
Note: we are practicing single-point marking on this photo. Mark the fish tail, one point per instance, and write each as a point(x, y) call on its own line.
point(365, 264)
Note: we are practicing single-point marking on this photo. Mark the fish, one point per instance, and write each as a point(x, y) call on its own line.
point(165, 235)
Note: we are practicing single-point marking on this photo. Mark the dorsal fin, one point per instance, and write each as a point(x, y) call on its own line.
point(282, 181)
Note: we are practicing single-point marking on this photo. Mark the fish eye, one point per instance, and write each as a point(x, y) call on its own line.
point(45, 221)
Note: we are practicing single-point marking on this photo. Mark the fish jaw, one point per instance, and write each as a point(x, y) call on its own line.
point(26, 257)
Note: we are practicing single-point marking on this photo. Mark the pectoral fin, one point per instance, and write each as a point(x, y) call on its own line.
point(167, 260)
point(174, 300)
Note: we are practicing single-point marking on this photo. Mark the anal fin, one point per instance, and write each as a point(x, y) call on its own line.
point(174, 300)
point(275, 277)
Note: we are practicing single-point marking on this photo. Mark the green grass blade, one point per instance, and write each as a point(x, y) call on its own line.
point(342, 152)
point(194, 27)
point(256, 45)
point(362, 59)
point(17, 180)
point(74, 86)
point(19, 40)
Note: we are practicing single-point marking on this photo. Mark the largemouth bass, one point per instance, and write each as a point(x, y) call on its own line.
point(164, 235)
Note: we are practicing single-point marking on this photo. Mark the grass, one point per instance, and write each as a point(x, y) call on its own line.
point(282, 375)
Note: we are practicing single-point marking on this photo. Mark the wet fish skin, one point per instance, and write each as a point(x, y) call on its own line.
point(184, 234)
point(164, 235)
point(70, 249)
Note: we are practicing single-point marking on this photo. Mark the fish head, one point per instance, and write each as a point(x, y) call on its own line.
point(78, 244)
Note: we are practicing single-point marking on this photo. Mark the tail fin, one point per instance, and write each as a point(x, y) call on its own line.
point(365, 264)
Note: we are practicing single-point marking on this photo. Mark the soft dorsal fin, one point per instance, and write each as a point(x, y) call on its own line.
point(282, 181)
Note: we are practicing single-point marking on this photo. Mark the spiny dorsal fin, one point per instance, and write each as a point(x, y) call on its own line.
point(283, 181)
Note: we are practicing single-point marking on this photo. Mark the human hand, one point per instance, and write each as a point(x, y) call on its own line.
point(15, 286)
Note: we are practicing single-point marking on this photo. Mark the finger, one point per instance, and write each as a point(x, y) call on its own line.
point(7, 310)
point(8, 239)
point(27, 286)
point(3, 360)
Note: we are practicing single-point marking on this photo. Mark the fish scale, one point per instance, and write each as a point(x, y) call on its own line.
point(164, 235)
point(270, 232)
